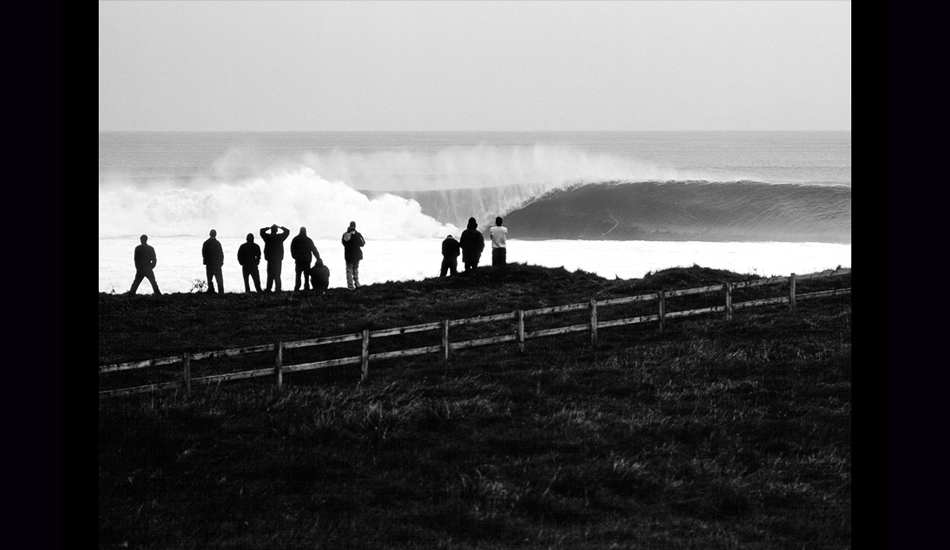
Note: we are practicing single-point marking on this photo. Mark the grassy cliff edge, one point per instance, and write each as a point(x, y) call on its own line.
point(710, 434)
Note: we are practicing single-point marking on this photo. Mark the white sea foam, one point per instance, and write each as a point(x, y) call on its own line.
point(296, 198)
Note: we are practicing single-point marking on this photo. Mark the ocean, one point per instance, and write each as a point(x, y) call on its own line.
point(619, 204)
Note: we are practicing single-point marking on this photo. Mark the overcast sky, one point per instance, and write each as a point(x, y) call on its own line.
point(474, 66)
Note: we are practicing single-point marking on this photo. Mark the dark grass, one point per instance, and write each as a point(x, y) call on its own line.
point(712, 434)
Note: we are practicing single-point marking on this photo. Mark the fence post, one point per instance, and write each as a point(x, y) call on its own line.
point(791, 292)
point(445, 339)
point(279, 364)
point(365, 356)
point(662, 299)
point(593, 322)
point(520, 315)
point(728, 288)
point(186, 359)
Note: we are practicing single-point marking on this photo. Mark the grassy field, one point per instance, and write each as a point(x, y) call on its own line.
point(711, 434)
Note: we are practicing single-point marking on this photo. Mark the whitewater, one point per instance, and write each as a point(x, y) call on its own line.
point(408, 191)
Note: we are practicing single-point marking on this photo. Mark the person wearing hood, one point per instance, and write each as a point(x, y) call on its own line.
point(249, 256)
point(320, 276)
point(352, 241)
point(213, 257)
point(472, 243)
point(302, 251)
point(274, 253)
point(450, 255)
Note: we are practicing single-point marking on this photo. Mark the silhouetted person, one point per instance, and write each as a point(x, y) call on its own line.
point(274, 253)
point(472, 242)
point(352, 243)
point(145, 261)
point(450, 256)
point(213, 257)
point(320, 276)
point(302, 251)
point(499, 234)
point(249, 256)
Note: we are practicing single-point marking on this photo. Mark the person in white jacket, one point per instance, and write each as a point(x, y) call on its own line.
point(499, 235)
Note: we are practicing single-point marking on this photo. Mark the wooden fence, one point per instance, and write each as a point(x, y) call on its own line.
point(593, 325)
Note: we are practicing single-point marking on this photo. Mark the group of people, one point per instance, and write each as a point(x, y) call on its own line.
point(302, 250)
point(470, 245)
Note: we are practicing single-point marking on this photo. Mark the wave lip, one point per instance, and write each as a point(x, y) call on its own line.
point(652, 210)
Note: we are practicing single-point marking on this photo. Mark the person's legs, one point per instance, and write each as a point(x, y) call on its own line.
point(298, 267)
point(135, 283)
point(356, 274)
point(220, 278)
point(444, 267)
point(305, 269)
point(349, 276)
point(453, 266)
point(150, 275)
point(256, 275)
point(246, 273)
point(209, 271)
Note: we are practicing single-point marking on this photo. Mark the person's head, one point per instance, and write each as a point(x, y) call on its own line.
point(498, 221)
point(472, 224)
point(250, 237)
point(143, 239)
point(449, 236)
point(273, 228)
point(303, 231)
point(352, 226)
point(213, 233)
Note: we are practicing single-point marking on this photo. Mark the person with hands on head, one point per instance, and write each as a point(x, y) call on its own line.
point(274, 253)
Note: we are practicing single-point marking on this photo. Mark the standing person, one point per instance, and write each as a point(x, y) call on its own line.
point(145, 261)
point(450, 256)
point(249, 256)
point(301, 248)
point(472, 243)
point(213, 257)
point(352, 243)
point(274, 253)
point(499, 234)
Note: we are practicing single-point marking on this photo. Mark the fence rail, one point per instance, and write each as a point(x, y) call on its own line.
point(446, 346)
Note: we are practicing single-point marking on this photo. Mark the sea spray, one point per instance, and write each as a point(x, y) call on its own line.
point(298, 198)
point(538, 167)
point(255, 184)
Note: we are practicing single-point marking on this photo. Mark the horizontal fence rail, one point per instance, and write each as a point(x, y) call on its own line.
point(520, 336)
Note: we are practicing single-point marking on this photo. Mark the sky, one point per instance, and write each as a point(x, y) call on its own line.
point(474, 66)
